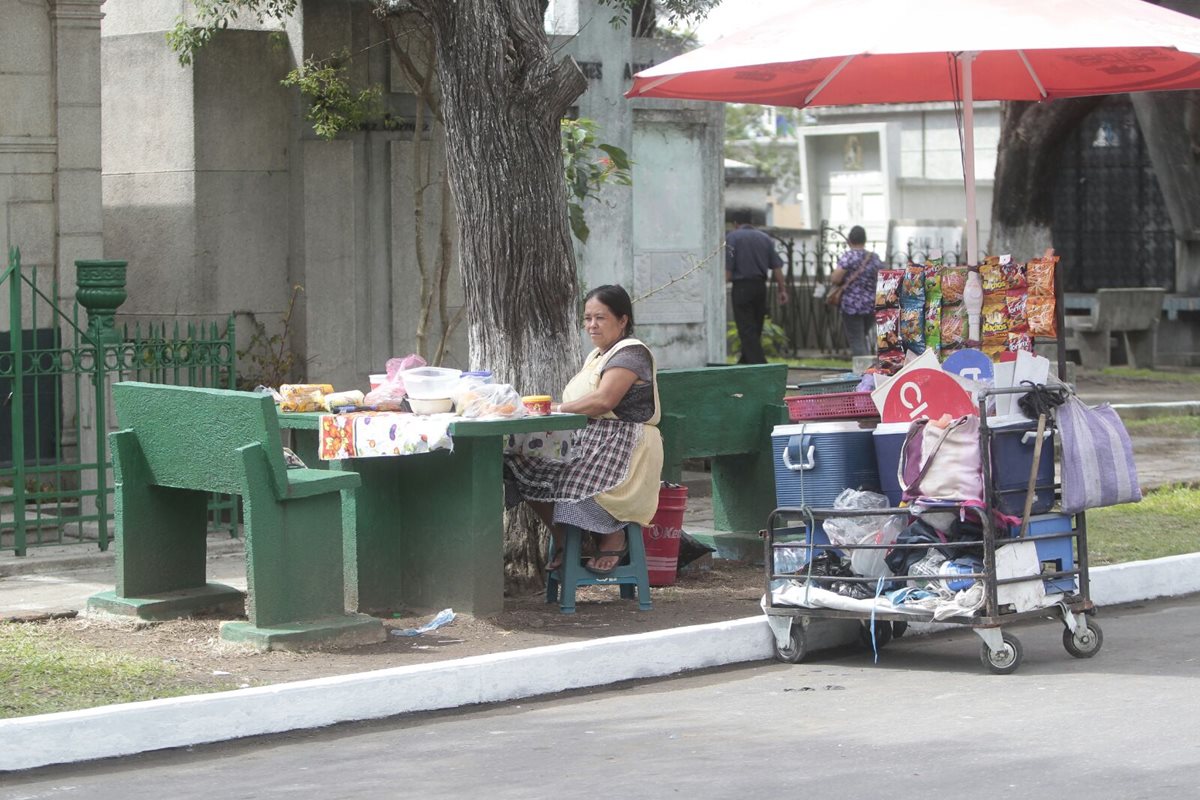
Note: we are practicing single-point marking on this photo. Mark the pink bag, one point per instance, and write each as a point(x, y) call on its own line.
point(942, 463)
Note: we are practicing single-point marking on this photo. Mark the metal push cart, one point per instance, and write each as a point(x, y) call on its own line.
point(1000, 651)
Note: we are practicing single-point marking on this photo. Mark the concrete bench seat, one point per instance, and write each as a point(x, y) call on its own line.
point(177, 445)
point(726, 414)
point(1131, 315)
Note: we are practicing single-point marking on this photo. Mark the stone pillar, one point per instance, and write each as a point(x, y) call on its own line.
point(76, 43)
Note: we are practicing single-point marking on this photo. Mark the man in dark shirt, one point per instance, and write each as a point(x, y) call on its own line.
point(750, 256)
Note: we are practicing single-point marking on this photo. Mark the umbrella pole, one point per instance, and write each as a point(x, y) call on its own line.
point(969, 156)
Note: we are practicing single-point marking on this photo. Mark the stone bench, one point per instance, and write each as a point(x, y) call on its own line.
point(726, 414)
point(177, 445)
point(1132, 315)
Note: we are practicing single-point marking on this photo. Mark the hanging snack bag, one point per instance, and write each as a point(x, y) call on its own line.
point(995, 315)
point(1039, 312)
point(1019, 341)
point(1017, 300)
point(933, 328)
point(887, 288)
point(954, 280)
point(887, 328)
point(991, 276)
point(912, 328)
point(953, 327)
point(912, 287)
point(1013, 274)
point(995, 345)
point(1039, 276)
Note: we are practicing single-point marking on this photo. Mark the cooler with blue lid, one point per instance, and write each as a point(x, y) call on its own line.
point(1012, 443)
point(816, 461)
point(888, 441)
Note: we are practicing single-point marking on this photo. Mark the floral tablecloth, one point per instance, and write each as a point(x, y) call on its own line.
point(367, 434)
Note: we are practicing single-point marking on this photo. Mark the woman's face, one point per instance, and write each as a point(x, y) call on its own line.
point(603, 326)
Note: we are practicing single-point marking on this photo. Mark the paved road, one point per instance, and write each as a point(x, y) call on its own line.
point(927, 721)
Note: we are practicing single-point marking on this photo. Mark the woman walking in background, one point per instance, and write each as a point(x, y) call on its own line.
point(861, 267)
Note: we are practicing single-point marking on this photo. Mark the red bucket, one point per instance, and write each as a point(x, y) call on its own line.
point(662, 536)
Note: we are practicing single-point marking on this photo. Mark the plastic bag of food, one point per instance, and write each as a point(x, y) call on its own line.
point(387, 396)
point(304, 396)
point(491, 401)
point(468, 382)
point(395, 366)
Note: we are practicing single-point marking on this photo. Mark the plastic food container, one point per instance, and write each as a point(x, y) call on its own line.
point(537, 404)
point(377, 380)
point(439, 406)
point(430, 383)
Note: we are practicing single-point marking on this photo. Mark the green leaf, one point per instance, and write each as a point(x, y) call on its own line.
point(619, 158)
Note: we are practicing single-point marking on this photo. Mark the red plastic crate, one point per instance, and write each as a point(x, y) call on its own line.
point(838, 405)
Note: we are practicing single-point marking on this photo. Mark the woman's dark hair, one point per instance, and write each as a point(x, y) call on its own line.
point(857, 235)
point(617, 300)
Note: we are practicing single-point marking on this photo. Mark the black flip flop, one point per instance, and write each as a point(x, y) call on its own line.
point(620, 554)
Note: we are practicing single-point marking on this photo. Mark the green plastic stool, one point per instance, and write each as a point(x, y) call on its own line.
point(629, 574)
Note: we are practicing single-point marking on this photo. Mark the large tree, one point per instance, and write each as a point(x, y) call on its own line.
point(502, 93)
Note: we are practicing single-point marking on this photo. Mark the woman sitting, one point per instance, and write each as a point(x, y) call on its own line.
point(612, 474)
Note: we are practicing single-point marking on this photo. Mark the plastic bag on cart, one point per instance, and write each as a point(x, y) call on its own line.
point(872, 562)
point(852, 530)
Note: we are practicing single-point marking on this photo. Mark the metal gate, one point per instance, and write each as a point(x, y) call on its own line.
point(55, 375)
point(1110, 217)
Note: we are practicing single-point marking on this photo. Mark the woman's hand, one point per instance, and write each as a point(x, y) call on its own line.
point(614, 384)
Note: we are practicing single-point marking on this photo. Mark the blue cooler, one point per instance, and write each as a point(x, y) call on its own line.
point(816, 461)
point(1055, 555)
point(1012, 445)
point(888, 440)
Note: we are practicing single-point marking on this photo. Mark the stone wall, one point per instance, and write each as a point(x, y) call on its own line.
point(50, 137)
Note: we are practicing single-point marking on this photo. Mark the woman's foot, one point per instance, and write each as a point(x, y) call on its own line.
point(611, 548)
point(556, 559)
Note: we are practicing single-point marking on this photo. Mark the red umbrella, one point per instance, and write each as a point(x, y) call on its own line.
point(833, 52)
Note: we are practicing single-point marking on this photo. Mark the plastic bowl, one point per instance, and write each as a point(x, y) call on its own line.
point(439, 406)
point(430, 383)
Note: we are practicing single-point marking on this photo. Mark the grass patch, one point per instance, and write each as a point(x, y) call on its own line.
point(1163, 524)
point(1167, 427)
point(42, 671)
point(1151, 375)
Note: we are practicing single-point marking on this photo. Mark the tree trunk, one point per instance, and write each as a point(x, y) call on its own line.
point(503, 96)
point(1023, 199)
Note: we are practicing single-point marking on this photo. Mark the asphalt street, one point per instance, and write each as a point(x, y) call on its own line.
point(926, 721)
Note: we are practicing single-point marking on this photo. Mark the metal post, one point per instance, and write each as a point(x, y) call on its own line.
point(17, 398)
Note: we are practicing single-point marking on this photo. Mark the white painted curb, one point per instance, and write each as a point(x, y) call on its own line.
point(125, 729)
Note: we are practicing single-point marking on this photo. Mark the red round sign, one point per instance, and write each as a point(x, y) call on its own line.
point(926, 393)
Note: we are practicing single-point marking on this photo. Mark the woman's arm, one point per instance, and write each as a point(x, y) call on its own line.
point(614, 384)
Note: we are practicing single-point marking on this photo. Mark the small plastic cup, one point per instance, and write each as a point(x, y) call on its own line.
point(377, 380)
point(537, 404)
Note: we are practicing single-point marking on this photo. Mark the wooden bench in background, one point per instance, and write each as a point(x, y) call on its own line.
point(1132, 315)
point(177, 445)
point(726, 414)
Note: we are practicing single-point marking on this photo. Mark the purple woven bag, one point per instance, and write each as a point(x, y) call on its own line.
point(1097, 458)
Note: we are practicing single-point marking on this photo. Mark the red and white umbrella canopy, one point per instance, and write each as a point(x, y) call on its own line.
point(848, 52)
point(834, 52)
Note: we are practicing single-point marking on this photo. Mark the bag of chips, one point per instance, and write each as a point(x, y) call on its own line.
point(1039, 276)
point(887, 288)
point(1039, 312)
point(887, 329)
point(953, 327)
point(1017, 300)
point(912, 329)
point(954, 280)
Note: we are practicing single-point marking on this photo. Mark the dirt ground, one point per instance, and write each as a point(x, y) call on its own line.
point(707, 591)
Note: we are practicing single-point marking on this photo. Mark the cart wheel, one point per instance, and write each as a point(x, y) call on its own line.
point(898, 629)
point(1007, 660)
point(797, 647)
point(1084, 642)
point(883, 634)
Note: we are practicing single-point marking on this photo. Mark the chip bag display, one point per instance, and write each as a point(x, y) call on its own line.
point(887, 328)
point(887, 288)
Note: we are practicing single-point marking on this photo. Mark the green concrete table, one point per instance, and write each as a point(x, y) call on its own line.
point(428, 529)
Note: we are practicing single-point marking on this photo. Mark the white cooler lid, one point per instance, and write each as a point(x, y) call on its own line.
point(824, 426)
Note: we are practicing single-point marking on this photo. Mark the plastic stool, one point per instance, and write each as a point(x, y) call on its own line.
point(573, 574)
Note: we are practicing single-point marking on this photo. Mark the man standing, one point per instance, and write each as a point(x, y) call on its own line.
point(750, 256)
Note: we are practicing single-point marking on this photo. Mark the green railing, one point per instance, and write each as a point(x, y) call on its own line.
point(56, 370)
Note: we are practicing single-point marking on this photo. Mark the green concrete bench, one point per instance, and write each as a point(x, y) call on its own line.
point(726, 414)
point(177, 445)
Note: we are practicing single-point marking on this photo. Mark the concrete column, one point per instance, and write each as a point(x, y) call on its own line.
point(76, 37)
